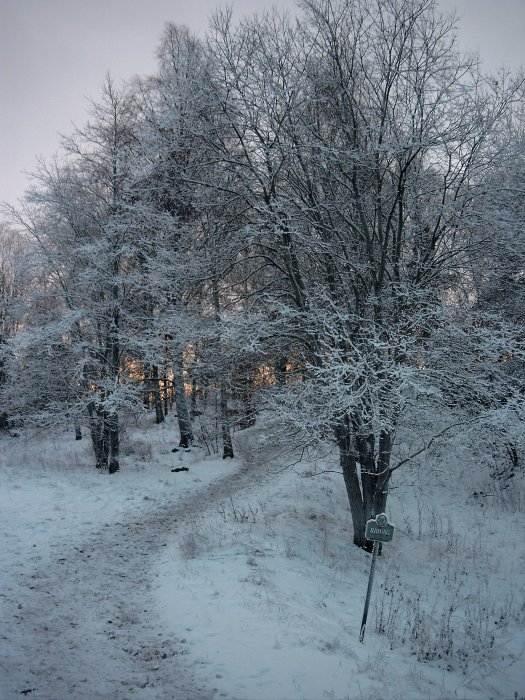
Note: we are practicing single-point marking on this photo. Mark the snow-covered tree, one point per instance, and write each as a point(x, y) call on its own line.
point(358, 137)
point(13, 285)
point(87, 240)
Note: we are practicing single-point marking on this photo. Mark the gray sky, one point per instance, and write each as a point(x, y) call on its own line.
point(55, 53)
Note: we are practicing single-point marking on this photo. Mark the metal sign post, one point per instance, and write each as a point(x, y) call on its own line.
point(377, 530)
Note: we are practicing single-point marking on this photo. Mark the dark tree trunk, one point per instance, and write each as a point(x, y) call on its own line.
point(113, 441)
point(166, 395)
point(98, 432)
point(112, 420)
point(245, 394)
point(194, 398)
point(78, 432)
point(365, 450)
point(183, 416)
point(280, 371)
point(159, 413)
point(348, 461)
point(147, 388)
point(225, 425)
point(367, 492)
point(383, 471)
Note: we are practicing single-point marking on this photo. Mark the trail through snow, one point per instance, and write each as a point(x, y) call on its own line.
point(75, 624)
point(238, 580)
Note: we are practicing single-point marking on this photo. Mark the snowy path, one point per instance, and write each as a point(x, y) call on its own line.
point(76, 624)
point(232, 582)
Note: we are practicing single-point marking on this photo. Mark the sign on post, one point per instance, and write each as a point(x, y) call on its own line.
point(377, 530)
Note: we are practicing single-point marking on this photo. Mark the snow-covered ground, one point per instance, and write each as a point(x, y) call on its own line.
point(239, 580)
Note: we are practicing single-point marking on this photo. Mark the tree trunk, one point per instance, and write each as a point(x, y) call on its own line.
point(159, 413)
point(98, 434)
point(225, 424)
point(367, 495)
point(245, 395)
point(227, 447)
point(112, 422)
point(280, 371)
point(4, 421)
point(183, 415)
point(194, 412)
point(366, 448)
point(347, 457)
point(375, 474)
point(113, 442)
point(166, 395)
point(147, 392)
point(383, 471)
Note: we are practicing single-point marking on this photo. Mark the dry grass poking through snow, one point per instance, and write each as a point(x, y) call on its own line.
point(276, 592)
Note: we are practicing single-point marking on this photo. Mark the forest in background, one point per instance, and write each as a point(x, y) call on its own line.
point(320, 218)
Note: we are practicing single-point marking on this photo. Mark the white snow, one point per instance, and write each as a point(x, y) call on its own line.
point(238, 579)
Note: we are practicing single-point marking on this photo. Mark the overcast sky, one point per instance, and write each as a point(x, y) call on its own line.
point(54, 55)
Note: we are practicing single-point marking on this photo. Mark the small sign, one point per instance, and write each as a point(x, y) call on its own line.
point(378, 529)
